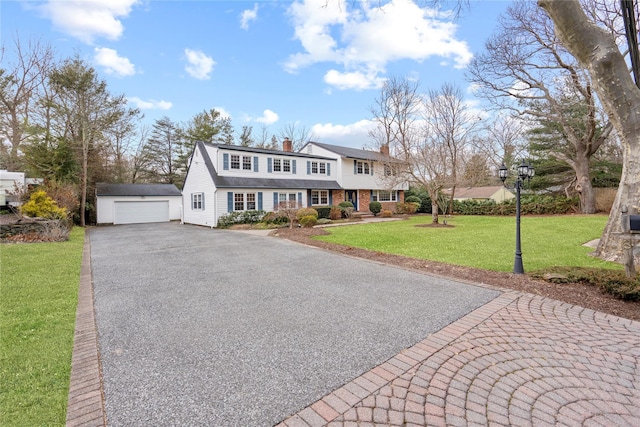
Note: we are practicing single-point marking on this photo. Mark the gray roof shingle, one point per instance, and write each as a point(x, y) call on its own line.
point(106, 189)
point(354, 153)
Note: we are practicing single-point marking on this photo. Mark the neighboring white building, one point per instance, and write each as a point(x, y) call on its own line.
point(227, 178)
point(137, 203)
point(12, 181)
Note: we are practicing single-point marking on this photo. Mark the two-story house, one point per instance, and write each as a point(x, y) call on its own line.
point(363, 175)
point(228, 178)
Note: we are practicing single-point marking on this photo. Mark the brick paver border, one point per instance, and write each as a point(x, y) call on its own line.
point(85, 406)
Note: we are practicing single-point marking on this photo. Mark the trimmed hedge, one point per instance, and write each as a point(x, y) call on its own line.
point(529, 204)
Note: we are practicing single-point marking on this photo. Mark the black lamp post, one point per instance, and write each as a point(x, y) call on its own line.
point(525, 171)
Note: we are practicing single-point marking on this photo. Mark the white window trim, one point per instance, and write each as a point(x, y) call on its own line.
point(197, 199)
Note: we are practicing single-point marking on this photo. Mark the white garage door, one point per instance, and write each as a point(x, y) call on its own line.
point(137, 212)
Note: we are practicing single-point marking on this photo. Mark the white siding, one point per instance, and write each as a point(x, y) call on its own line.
point(217, 157)
point(350, 181)
point(199, 181)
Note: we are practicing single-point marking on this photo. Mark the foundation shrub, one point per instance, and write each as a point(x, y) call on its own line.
point(308, 221)
point(241, 217)
point(407, 208)
point(306, 212)
point(335, 213)
point(346, 208)
point(375, 208)
point(386, 214)
point(323, 211)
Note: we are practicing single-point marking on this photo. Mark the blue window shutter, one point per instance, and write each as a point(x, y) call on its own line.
point(269, 164)
point(371, 196)
point(225, 161)
point(255, 163)
point(229, 201)
point(293, 166)
point(330, 198)
point(300, 199)
point(371, 169)
point(202, 201)
point(355, 167)
point(308, 167)
point(328, 169)
point(259, 200)
point(275, 201)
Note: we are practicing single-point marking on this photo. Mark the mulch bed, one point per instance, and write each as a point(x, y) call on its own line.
point(577, 294)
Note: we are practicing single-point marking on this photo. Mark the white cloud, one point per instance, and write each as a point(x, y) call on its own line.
point(199, 65)
point(113, 64)
point(364, 37)
point(151, 104)
point(87, 20)
point(353, 80)
point(247, 16)
point(268, 118)
point(358, 131)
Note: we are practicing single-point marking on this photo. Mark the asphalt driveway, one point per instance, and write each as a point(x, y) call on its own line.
point(221, 328)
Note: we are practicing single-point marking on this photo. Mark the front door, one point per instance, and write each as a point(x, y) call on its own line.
point(352, 196)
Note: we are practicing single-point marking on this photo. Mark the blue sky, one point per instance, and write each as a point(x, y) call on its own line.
point(313, 63)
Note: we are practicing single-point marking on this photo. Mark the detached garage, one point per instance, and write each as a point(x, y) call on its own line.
point(137, 203)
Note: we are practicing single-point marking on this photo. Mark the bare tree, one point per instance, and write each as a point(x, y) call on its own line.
point(449, 125)
point(297, 133)
point(21, 85)
point(525, 70)
point(265, 139)
point(597, 51)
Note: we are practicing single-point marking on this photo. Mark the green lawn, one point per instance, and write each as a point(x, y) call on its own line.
point(483, 241)
point(38, 299)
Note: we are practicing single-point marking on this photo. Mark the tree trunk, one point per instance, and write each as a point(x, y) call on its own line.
point(596, 50)
point(583, 185)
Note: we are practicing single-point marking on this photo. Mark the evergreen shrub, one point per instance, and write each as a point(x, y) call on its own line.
point(375, 208)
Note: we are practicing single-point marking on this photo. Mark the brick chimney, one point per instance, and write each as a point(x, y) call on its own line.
point(287, 145)
point(384, 149)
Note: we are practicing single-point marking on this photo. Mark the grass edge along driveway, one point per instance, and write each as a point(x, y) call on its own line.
point(486, 242)
point(38, 299)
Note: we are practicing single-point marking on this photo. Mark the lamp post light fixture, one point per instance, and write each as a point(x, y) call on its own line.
point(525, 172)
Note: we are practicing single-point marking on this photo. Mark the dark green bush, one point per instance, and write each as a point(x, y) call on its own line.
point(323, 211)
point(241, 217)
point(345, 204)
point(413, 199)
point(375, 208)
point(529, 204)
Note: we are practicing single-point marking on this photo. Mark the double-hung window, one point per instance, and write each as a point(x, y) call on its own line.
point(235, 161)
point(362, 168)
point(277, 165)
point(251, 201)
point(286, 165)
point(197, 201)
point(238, 201)
point(319, 197)
point(246, 163)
